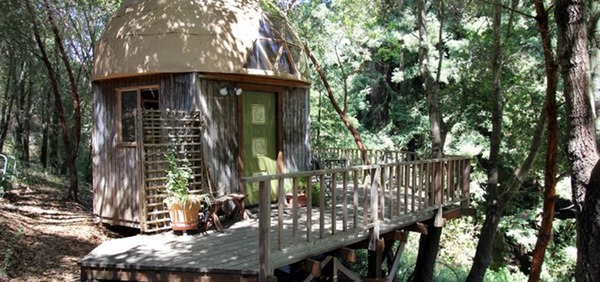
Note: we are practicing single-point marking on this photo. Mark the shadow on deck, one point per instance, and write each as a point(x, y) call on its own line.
point(359, 206)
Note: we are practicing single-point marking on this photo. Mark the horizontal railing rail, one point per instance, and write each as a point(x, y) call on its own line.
point(346, 203)
point(374, 156)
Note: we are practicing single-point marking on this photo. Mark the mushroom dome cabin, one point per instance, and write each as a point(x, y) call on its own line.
point(223, 83)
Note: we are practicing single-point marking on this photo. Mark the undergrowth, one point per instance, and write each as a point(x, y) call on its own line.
point(8, 255)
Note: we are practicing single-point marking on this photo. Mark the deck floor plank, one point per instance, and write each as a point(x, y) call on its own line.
point(236, 251)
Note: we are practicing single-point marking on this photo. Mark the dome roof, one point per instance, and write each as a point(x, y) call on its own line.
point(214, 36)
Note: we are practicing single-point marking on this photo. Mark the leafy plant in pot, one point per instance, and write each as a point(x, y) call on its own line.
point(302, 198)
point(184, 207)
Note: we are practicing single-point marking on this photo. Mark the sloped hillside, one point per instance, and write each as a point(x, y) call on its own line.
point(41, 236)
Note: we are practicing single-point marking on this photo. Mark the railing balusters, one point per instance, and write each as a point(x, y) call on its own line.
point(406, 186)
point(333, 202)
point(414, 184)
point(420, 186)
point(322, 206)
point(355, 199)
point(345, 201)
point(390, 187)
point(309, 200)
point(423, 185)
point(366, 189)
point(295, 210)
point(398, 184)
point(280, 203)
point(381, 193)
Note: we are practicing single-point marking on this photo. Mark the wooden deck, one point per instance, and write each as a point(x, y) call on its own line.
point(367, 202)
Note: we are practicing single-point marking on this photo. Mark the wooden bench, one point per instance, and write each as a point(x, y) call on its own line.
point(230, 205)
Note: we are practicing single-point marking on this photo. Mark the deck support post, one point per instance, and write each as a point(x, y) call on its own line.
point(376, 260)
point(396, 264)
point(264, 223)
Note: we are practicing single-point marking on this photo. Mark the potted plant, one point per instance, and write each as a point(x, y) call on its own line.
point(289, 196)
point(184, 208)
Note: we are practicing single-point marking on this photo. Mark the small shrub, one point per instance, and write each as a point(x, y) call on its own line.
point(8, 255)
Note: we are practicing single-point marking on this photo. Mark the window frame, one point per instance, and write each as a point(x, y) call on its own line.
point(138, 107)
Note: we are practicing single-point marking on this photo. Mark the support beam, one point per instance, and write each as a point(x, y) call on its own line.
point(396, 264)
point(376, 260)
point(311, 266)
point(349, 274)
point(397, 235)
point(322, 264)
point(344, 253)
point(417, 227)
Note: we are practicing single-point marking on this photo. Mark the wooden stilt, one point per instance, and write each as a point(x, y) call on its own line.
point(396, 264)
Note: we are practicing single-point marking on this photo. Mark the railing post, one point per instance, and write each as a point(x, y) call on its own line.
point(466, 184)
point(437, 183)
point(264, 224)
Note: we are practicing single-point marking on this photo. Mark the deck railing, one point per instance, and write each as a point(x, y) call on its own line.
point(374, 156)
point(351, 202)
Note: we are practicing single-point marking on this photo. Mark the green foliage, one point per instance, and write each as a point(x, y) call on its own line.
point(8, 254)
point(504, 274)
point(5, 186)
point(177, 179)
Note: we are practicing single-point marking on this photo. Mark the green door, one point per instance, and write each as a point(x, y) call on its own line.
point(259, 139)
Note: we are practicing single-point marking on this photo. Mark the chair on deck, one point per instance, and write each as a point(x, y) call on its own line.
point(329, 163)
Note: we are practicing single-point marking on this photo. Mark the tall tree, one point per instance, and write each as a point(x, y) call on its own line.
point(429, 243)
point(500, 193)
point(594, 42)
point(70, 138)
point(573, 58)
point(545, 231)
point(342, 113)
point(494, 206)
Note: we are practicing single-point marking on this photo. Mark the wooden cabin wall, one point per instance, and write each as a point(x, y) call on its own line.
point(220, 136)
point(296, 129)
point(116, 168)
point(178, 92)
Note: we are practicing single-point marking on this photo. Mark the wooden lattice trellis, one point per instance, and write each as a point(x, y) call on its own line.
point(160, 131)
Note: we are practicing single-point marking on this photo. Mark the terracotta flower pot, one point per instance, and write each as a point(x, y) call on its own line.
point(301, 199)
point(184, 218)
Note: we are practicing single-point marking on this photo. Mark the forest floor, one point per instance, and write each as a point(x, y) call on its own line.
point(42, 237)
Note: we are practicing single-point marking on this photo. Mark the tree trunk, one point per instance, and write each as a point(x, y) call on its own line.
point(436, 126)
point(53, 160)
point(429, 244)
point(338, 110)
point(495, 204)
point(594, 40)
point(581, 145)
point(75, 137)
point(545, 232)
point(20, 111)
point(52, 76)
point(485, 245)
point(45, 130)
point(6, 113)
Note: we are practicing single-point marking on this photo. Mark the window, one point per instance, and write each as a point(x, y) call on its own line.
point(130, 100)
point(277, 49)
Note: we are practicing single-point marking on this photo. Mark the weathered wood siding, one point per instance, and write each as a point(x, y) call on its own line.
point(296, 128)
point(116, 168)
point(220, 136)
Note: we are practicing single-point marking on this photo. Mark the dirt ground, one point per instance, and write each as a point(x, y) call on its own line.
point(42, 237)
